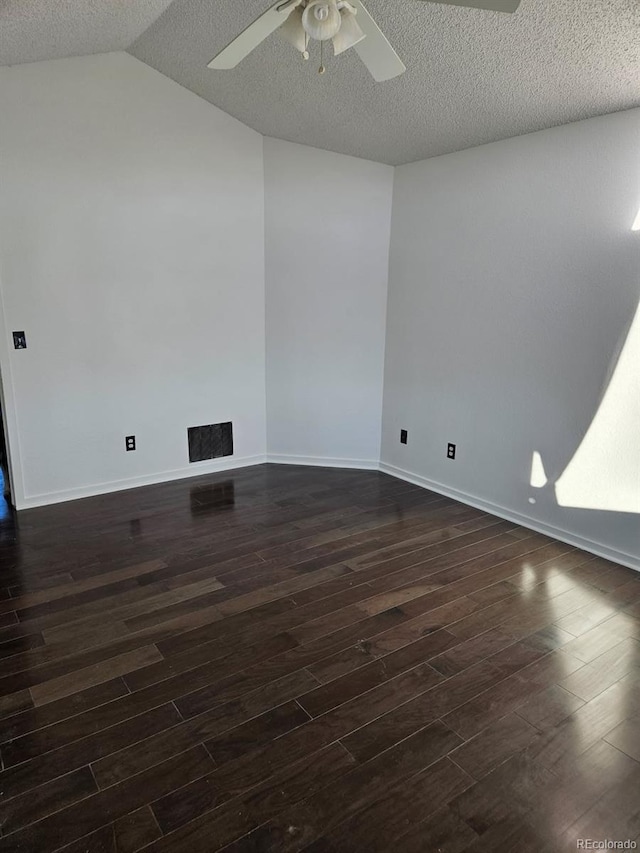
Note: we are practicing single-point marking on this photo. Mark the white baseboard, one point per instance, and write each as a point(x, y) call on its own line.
point(323, 461)
point(194, 470)
point(596, 548)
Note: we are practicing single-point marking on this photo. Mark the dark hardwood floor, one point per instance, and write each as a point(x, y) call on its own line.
point(287, 658)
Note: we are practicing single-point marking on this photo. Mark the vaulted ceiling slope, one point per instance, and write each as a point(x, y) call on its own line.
point(472, 76)
point(32, 30)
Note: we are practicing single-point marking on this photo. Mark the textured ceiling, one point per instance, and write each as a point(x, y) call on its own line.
point(473, 76)
point(31, 30)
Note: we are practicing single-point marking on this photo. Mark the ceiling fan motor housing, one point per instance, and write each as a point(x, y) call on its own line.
point(321, 19)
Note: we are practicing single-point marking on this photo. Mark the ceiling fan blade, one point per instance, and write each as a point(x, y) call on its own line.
point(490, 5)
point(254, 35)
point(374, 50)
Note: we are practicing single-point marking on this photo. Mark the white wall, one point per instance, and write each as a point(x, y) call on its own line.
point(514, 278)
point(132, 254)
point(327, 249)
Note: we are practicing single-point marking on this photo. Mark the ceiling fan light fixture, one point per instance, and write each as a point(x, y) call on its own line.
point(349, 34)
point(321, 19)
point(293, 32)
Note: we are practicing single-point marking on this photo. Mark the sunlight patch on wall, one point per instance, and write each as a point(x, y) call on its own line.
point(636, 223)
point(604, 473)
point(538, 476)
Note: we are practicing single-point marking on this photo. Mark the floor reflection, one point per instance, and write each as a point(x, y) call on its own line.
point(212, 497)
point(135, 528)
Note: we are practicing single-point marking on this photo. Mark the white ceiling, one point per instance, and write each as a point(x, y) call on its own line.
point(473, 76)
point(31, 30)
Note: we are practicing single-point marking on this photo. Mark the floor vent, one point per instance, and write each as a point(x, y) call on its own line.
point(210, 442)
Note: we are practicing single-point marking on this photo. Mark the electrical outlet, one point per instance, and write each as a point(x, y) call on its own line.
point(130, 442)
point(403, 436)
point(451, 451)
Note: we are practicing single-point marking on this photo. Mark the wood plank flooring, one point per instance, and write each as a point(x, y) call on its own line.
point(287, 658)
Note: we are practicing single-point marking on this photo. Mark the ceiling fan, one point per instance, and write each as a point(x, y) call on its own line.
point(344, 22)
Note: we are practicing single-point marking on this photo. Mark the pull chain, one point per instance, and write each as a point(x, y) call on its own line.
point(322, 69)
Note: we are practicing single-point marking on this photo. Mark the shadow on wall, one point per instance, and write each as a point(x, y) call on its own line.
point(603, 473)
